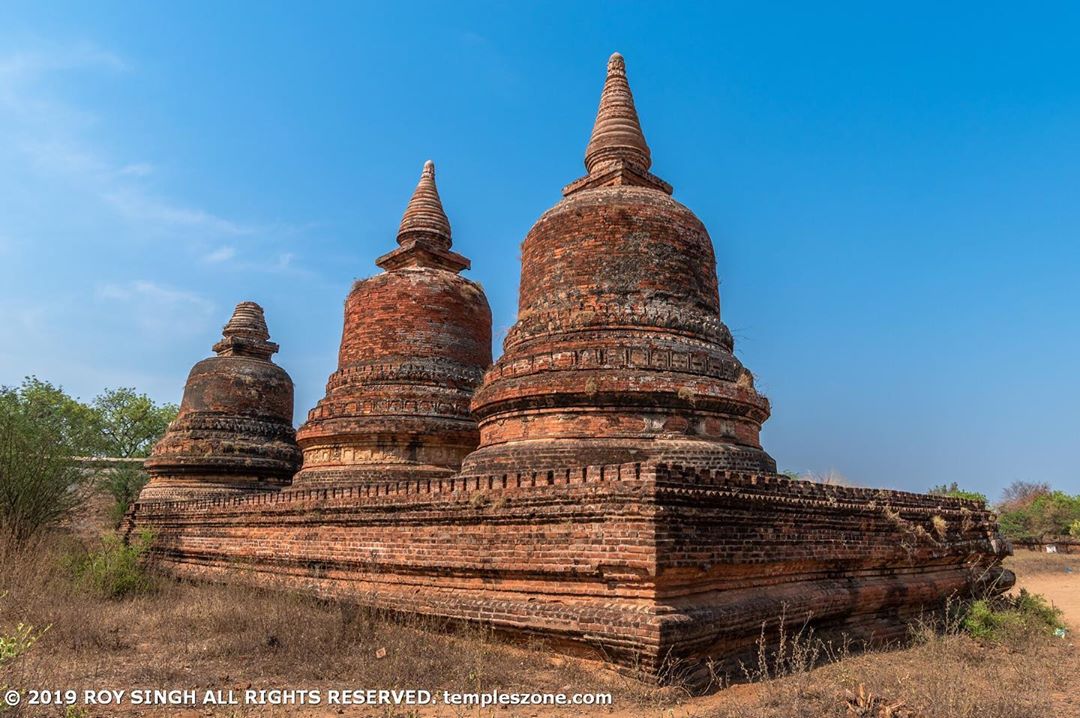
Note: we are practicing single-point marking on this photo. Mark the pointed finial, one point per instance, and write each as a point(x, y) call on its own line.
point(246, 334)
point(424, 219)
point(617, 132)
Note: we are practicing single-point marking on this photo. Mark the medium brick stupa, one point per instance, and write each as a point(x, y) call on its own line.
point(416, 341)
point(234, 431)
point(618, 353)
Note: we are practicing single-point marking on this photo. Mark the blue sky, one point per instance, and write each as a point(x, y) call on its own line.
point(892, 192)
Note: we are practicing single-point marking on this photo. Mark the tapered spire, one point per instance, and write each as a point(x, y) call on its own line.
point(617, 153)
point(424, 218)
point(424, 234)
point(617, 132)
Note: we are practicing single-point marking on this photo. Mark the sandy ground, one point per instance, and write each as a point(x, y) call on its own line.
point(1055, 576)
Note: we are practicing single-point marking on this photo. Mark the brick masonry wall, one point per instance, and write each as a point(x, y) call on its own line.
point(649, 566)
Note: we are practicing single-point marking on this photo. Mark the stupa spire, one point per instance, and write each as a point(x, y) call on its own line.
point(424, 234)
point(246, 334)
point(617, 153)
point(424, 218)
point(617, 133)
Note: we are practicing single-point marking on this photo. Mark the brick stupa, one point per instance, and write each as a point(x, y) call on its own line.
point(234, 431)
point(618, 353)
point(416, 341)
point(620, 505)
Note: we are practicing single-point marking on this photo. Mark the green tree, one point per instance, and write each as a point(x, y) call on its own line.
point(128, 424)
point(1045, 516)
point(68, 421)
point(955, 491)
point(123, 484)
point(40, 482)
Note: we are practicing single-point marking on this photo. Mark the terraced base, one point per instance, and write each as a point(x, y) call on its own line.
point(663, 571)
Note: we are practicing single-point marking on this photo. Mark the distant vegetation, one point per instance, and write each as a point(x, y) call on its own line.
point(956, 492)
point(43, 431)
point(1029, 511)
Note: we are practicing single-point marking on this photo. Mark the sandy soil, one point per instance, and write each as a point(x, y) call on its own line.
point(1055, 576)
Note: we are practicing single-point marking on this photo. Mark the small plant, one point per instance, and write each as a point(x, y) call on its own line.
point(115, 569)
point(1011, 617)
point(18, 642)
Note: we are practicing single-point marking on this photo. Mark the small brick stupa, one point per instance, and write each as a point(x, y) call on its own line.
point(618, 353)
point(234, 432)
point(416, 341)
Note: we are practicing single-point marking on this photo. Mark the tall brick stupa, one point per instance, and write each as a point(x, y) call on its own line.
point(416, 341)
point(618, 353)
point(234, 432)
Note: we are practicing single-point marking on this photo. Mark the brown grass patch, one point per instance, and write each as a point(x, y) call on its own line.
point(211, 636)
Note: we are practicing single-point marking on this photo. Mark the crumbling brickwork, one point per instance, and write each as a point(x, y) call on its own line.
point(618, 353)
point(619, 503)
point(654, 567)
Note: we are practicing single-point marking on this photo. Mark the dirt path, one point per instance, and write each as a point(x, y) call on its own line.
point(1055, 576)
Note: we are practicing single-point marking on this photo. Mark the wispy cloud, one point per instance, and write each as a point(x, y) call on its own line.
point(159, 309)
point(221, 254)
point(47, 132)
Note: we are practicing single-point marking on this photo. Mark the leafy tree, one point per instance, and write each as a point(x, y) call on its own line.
point(1022, 493)
point(68, 421)
point(40, 482)
point(43, 430)
point(955, 491)
point(1045, 516)
point(1074, 529)
point(128, 423)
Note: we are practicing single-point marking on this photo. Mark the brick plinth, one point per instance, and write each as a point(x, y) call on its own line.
point(654, 567)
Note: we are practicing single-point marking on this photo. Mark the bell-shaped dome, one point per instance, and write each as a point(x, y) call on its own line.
point(618, 353)
point(234, 430)
point(415, 343)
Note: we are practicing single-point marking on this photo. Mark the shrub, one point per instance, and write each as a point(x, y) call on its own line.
point(18, 642)
point(1008, 618)
point(956, 492)
point(115, 569)
point(123, 484)
point(1046, 515)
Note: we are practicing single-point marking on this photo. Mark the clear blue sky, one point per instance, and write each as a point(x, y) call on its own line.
point(892, 191)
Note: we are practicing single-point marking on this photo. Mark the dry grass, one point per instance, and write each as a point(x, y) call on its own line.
point(942, 674)
point(1032, 563)
point(207, 636)
point(212, 636)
